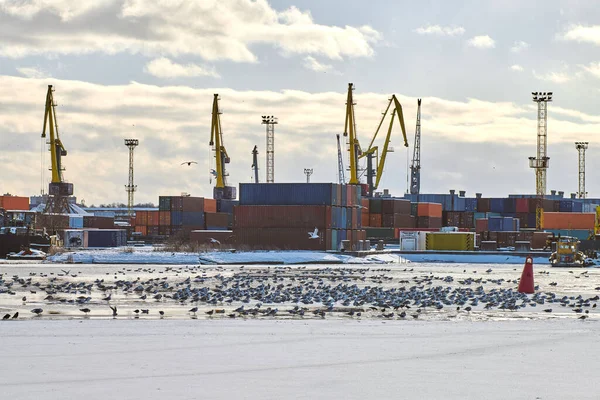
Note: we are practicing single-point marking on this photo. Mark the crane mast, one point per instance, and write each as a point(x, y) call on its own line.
point(415, 169)
point(58, 190)
point(341, 177)
point(221, 190)
point(350, 132)
point(541, 162)
point(255, 163)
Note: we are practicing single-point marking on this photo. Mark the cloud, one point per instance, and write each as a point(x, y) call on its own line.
point(516, 67)
point(593, 68)
point(556, 77)
point(33, 72)
point(519, 46)
point(312, 64)
point(583, 34)
point(210, 29)
point(165, 68)
point(440, 30)
point(173, 125)
point(482, 42)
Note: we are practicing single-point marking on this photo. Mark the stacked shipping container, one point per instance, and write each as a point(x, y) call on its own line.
point(281, 215)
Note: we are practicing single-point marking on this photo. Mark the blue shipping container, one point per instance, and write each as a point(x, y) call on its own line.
point(349, 212)
point(226, 206)
point(287, 193)
point(176, 218)
point(581, 234)
point(470, 205)
point(510, 206)
point(497, 205)
point(495, 224)
point(191, 218)
point(578, 207)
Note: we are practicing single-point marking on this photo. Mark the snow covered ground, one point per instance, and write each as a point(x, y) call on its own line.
point(148, 255)
point(236, 359)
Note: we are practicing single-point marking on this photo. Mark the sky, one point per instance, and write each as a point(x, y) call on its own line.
point(149, 69)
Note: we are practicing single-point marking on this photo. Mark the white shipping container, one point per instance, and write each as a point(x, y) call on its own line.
point(73, 238)
point(412, 240)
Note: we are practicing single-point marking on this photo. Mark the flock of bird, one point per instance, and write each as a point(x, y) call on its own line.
point(280, 292)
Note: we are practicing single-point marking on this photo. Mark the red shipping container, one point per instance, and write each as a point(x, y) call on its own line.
point(152, 230)
point(404, 221)
point(522, 205)
point(375, 220)
point(481, 225)
point(192, 204)
point(16, 203)
point(364, 202)
point(210, 205)
point(305, 217)
point(164, 218)
point(141, 218)
point(142, 229)
point(217, 220)
point(281, 238)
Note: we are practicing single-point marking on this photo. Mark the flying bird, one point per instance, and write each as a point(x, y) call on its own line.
point(189, 163)
point(314, 235)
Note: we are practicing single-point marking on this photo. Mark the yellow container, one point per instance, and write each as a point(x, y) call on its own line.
point(454, 241)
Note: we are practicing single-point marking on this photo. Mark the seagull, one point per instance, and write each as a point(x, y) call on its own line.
point(162, 313)
point(193, 310)
point(66, 272)
point(314, 235)
point(213, 241)
point(37, 311)
point(114, 310)
point(85, 310)
point(189, 163)
point(107, 298)
point(16, 315)
point(6, 316)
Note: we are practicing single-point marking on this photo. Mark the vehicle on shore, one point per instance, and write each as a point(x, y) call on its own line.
point(567, 254)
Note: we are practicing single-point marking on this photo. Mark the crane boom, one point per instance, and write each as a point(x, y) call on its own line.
point(341, 177)
point(216, 140)
point(415, 169)
point(57, 150)
point(350, 132)
point(373, 151)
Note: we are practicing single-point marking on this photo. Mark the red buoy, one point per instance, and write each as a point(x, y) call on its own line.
point(526, 284)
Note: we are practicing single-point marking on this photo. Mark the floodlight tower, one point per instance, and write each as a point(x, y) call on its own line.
point(308, 172)
point(130, 187)
point(541, 161)
point(581, 148)
point(270, 121)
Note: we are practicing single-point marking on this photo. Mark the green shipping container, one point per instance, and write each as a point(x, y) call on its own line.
point(380, 233)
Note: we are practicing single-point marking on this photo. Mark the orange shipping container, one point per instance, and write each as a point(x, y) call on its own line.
point(375, 220)
point(364, 202)
point(567, 220)
point(14, 203)
point(142, 229)
point(210, 205)
point(153, 218)
point(164, 218)
point(429, 210)
point(365, 219)
point(141, 218)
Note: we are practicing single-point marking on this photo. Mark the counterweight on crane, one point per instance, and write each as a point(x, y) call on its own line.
point(415, 169)
point(221, 190)
point(58, 189)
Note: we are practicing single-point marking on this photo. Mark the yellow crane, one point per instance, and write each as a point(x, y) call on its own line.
point(373, 151)
point(58, 190)
point(221, 190)
point(350, 132)
point(356, 152)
